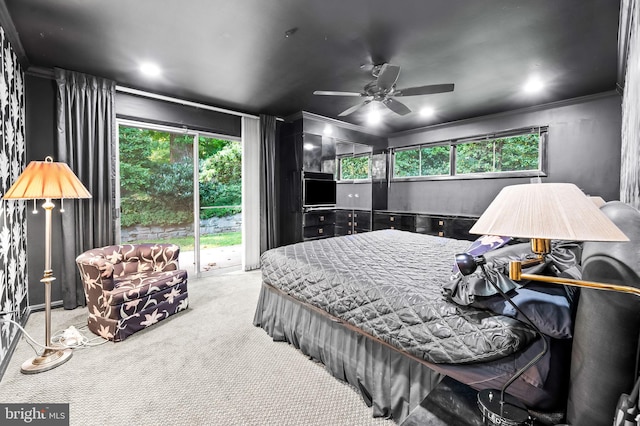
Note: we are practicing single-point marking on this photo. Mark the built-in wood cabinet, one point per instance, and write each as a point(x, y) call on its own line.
point(306, 151)
point(439, 225)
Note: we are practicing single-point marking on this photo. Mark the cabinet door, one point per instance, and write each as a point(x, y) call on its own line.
point(312, 153)
point(361, 221)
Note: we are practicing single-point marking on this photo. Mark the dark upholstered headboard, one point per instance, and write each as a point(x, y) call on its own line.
point(607, 326)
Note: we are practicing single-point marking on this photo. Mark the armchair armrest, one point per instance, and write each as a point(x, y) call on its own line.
point(95, 271)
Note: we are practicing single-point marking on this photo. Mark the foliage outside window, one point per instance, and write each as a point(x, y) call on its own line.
point(518, 153)
point(156, 176)
point(406, 163)
point(510, 154)
point(435, 160)
point(354, 168)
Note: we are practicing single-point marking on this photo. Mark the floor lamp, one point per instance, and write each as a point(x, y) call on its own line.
point(540, 212)
point(47, 180)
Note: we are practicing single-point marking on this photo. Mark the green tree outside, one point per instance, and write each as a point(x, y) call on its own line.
point(508, 154)
point(353, 168)
point(156, 175)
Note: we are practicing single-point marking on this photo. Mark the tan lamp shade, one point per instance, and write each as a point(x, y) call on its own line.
point(553, 211)
point(47, 179)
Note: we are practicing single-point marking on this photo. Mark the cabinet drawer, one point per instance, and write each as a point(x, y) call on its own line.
point(342, 230)
point(377, 226)
point(321, 231)
point(319, 218)
point(403, 222)
point(459, 229)
point(432, 225)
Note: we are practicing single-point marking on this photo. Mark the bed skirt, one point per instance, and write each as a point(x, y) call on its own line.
point(388, 381)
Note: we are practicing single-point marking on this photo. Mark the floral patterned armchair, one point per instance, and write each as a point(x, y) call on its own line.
point(131, 287)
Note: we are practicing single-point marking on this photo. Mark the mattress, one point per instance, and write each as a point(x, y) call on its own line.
point(389, 284)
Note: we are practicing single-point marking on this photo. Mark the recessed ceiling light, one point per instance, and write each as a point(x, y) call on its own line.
point(374, 117)
point(533, 85)
point(150, 69)
point(427, 112)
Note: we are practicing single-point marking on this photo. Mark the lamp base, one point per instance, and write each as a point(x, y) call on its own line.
point(49, 359)
point(510, 412)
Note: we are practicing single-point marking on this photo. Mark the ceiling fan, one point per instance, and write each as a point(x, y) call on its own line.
point(383, 89)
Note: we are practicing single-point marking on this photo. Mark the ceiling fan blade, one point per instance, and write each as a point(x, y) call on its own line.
point(333, 93)
point(397, 107)
point(424, 90)
point(353, 108)
point(388, 76)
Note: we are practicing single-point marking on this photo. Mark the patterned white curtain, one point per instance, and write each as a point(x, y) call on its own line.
point(630, 151)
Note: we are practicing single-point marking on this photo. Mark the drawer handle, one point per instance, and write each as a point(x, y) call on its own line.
point(440, 234)
point(349, 215)
point(391, 219)
point(320, 231)
point(440, 222)
point(349, 232)
point(321, 218)
point(392, 227)
point(355, 223)
point(349, 223)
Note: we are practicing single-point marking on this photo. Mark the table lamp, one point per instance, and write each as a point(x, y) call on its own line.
point(47, 180)
point(541, 212)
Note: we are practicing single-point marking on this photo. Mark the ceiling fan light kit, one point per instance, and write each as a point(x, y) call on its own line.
point(383, 89)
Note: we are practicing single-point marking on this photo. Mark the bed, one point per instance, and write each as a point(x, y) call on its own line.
point(377, 311)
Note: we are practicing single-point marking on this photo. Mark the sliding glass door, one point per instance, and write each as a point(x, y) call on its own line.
point(181, 187)
point(219, 205)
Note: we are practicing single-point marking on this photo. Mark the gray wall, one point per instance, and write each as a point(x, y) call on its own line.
point(40, 123)
point(583, 148)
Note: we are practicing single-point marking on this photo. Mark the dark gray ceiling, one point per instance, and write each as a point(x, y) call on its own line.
point(234, 53)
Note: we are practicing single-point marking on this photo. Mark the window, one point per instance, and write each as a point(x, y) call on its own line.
point(354, 168)
point(406, 163)
point(516, 153)
point(509, 154)
point(436, 160)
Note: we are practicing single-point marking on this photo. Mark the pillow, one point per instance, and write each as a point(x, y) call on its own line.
point(549, 306)
point(546, 305)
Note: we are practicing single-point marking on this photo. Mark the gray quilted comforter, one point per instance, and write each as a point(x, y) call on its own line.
point(389, 284)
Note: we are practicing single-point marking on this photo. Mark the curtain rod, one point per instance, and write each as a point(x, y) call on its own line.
point(181, 101)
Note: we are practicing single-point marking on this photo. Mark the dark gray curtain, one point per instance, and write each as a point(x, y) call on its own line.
point(268, 193)
point(85, 141)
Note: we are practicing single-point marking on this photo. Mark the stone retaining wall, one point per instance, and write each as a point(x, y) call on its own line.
point(215, 225)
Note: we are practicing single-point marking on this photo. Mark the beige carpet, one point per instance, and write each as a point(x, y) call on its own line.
point(206, 366)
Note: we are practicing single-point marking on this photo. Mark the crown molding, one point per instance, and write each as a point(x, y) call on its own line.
point(534, 108)
point(12, 35)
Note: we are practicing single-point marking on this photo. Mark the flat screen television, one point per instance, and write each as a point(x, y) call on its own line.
point(319, 192)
